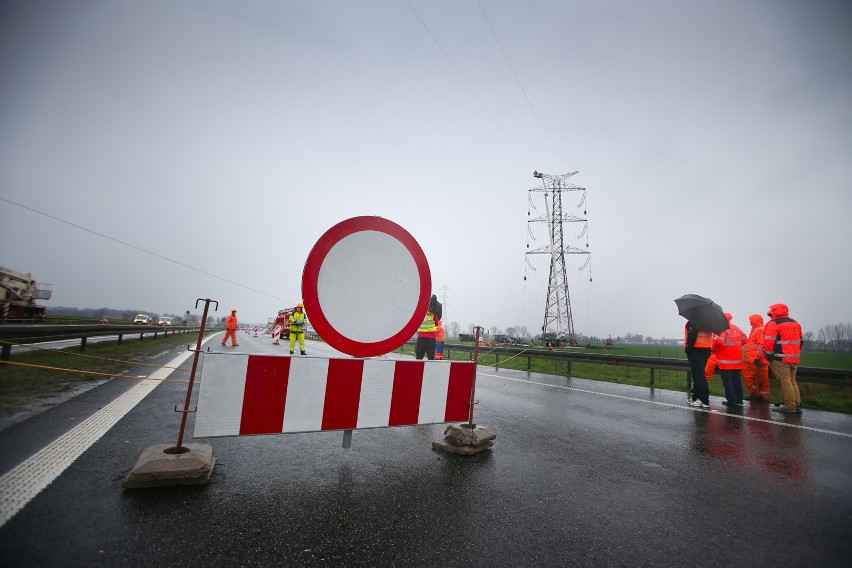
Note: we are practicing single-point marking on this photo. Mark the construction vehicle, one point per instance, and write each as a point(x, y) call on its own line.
point(18, 295)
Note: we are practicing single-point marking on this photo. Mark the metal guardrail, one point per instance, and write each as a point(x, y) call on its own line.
point(28, 334)
point(834, 377)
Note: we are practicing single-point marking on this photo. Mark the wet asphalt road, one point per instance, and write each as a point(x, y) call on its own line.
point(581, 474)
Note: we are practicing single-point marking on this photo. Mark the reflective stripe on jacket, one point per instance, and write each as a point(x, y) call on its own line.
point(754, 344)
point(702, 340)
point(729, 348)
point(783, 340)
point(428, 328)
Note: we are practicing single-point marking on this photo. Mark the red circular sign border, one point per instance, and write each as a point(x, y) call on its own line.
point(310, 279)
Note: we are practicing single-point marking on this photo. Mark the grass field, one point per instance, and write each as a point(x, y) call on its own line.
point(22, 386)
point(815, 396)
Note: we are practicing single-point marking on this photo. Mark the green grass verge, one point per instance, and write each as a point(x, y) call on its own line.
point(21, 385)
point(815, 396)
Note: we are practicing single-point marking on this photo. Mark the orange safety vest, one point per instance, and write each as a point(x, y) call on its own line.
point(231, 322)
point(783, 340)
point(729, 348)
point(754, 344)
point(703, 339)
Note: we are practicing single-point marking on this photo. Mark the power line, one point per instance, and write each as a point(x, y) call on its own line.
point(476, 96)
point(82, 228)
point(524, 91)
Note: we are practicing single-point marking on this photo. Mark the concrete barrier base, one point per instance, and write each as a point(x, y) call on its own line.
point(464, 440)
point(159, 466)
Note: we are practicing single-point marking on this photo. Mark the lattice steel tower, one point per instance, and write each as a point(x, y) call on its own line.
point(558, 318)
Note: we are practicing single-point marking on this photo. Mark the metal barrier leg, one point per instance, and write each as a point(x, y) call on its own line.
point(652, 377)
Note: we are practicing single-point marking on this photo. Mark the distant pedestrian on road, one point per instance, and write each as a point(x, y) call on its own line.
point(297, 320)
point(728, 347)
point(756, 370)
point(428, 330)
point(231, 327)
point(697, 347)
point(783, 346)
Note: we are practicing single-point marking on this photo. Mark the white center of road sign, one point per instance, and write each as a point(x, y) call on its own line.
point(371, 271)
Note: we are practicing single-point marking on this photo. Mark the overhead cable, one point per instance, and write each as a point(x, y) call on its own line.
point(82, 228)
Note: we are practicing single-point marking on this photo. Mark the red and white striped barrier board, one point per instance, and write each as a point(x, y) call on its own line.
point(272, 394)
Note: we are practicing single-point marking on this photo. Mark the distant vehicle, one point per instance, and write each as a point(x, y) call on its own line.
point(165, 320)
point(18, 293)
point(143, 319)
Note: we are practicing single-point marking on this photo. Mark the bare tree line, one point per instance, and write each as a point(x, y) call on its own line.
point(831, 337)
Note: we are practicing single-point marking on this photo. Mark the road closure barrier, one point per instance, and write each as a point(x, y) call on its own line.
point(245, 394)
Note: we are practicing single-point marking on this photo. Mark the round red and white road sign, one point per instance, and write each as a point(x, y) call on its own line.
point(366, 286)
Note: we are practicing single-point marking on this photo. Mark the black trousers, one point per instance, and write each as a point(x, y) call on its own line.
point(697, 362)
point(425, 346)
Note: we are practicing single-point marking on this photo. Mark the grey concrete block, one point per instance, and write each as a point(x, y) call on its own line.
point(157, 467)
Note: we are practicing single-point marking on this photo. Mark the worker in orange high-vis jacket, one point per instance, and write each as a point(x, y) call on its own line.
point(728, 347)
point(231, 329)
point(439, 340)
point(756, 369)
point(697, 346)
point(783, 346)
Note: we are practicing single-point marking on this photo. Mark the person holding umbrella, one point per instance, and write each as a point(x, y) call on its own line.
point(704, 318)
point(697, 346)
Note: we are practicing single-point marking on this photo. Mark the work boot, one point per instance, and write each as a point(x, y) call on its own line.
point(291, 352)
point(303, 353)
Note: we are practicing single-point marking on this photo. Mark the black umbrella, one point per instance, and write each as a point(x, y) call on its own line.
point(703, 313)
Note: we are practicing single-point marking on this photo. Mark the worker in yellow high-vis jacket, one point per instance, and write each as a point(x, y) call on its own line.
point(297, 328)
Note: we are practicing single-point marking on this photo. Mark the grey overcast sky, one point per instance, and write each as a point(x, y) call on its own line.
point(714, 140)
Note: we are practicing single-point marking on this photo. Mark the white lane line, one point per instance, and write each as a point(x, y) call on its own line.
point(20, 485)
point(672, 405)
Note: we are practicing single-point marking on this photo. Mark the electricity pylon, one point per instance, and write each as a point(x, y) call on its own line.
point(558, 318)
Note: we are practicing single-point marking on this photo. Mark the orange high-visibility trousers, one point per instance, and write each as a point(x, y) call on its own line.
point(756, 379)
point(232, 333)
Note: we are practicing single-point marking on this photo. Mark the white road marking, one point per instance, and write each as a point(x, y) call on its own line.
point(672, 405)
point(21, 484)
